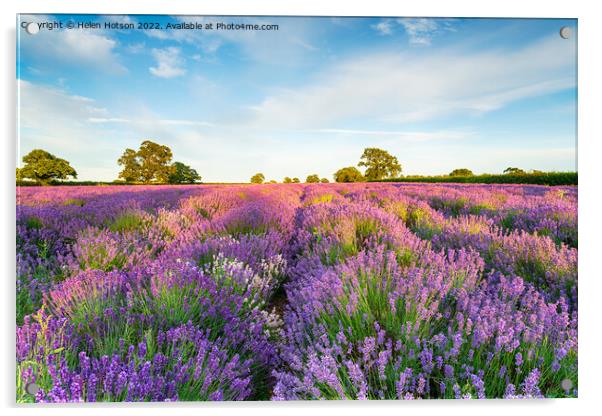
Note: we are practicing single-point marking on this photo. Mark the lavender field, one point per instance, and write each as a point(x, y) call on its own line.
point(296, 292)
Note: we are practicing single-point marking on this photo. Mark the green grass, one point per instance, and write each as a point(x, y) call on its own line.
point(128, 221)
point(420, 221)
point(203, 213)
point(481, 208)
point(33, 223)
point(75, 201)
point(322, 199)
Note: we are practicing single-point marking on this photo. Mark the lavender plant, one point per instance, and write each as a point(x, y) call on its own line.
point(296, 292)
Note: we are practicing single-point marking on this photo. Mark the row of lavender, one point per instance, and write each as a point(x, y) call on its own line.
point(296, 292)
point(149, 293)
point(392, 298)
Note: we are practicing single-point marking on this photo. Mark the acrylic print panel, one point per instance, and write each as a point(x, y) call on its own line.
point(295, 208)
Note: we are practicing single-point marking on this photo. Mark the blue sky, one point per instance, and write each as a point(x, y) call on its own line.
point(308, 98)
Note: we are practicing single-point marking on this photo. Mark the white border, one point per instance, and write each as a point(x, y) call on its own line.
point(590, 233)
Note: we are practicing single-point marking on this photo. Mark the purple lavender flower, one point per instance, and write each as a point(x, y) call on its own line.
point(368, 291)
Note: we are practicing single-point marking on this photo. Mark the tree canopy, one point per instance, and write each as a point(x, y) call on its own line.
point(379, 164)
point(151, 163)
point(514, 171)
point(312, 179)
point(324, 180)
point(461, 172)
point(182, 173)
point(348, 174)
point(43, 167)
point(287, 180)
point(258, 178)
point(296, 180)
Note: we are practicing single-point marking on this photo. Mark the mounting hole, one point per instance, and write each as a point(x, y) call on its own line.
point(32, 28)
point(566, 384)
point(32, 388)
point(565, 32)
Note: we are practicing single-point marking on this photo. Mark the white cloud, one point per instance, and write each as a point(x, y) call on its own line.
point(384, 27)
point(289, 45)
point(74, 47)
point(304, 44)
point(108, 120)
point(418, 136)
point(399, 88)
point(90, 48)
point(168, 122)
point(169, 63)
point(41, 106)
point(149, 121)
point(420, 31)
point(54, 120)
point(135, 48)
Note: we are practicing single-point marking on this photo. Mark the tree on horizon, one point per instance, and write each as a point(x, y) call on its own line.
point(312, 179)
point(379, 164)
point(513, 171)
point(42, 166)
point(348, 174)
point(183, 174)
point(461, 172)
point(150, 164)
point(258, 178)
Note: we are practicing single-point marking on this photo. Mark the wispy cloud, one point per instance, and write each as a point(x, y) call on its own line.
point(77, 48)
point(44, 106)
point(184, 123)
point(420, 31)
point(52, 119)
point(287, 46)
point(100, 120)
point(395, 88)
point(163, 122)
point(135, 48)
point(384, 27)
point(304, 44)
point(169, 63)
point(400, 135)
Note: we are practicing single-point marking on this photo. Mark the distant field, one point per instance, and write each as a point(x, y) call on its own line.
point(546, 178)
point(288, 292)
point(97, 183)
